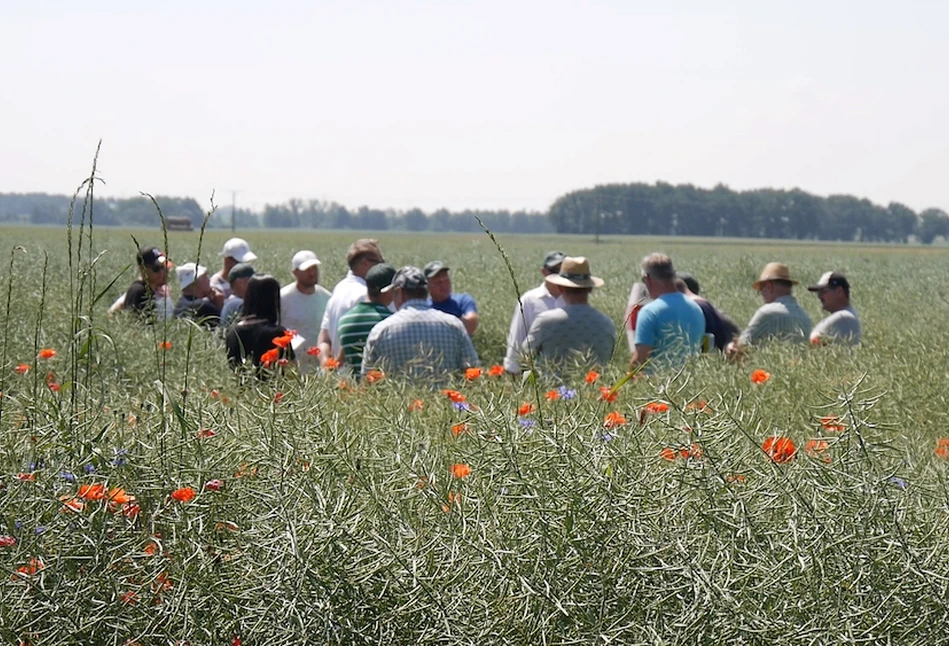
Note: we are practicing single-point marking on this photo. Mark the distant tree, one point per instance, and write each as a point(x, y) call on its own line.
point(933, 223)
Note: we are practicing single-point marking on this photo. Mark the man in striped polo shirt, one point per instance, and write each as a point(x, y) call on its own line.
point(355, 325)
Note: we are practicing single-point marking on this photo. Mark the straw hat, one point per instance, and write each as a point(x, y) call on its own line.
point(575, 272)
point(774, 271)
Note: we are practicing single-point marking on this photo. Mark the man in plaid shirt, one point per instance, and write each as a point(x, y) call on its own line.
point(417, 340)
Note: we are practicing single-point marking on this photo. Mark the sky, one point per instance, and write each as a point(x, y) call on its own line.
point(483, 104)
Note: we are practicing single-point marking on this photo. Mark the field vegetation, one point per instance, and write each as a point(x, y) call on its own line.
point(148, 495)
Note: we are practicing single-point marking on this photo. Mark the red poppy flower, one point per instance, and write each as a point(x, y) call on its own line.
point(269, 357)
point(735, 477)
point(942, 448)
point(164, 345)
point(416, 404)
point(607, 394)
point(282, 341)
point(47, 353)
point(592, 376)
point(131, 510)
point(656, 407)
point(29, 477)
point(331, 364)
point(128, 597)
point(94, 491)
point(817, 449)
point(460, 470)
point(7, 541)
point(614, 419)
point(118, 496)
point(22, 368)
point(53, 386)
point(184, 494)
point(668, 454)
point(760, 376)
point(374, 375)
point(458, 429)
point(313, 351)
point(277, 398)
point(213, 485)
point(781, 450)
point(496, 370)
point(454, 396)
point(472, 374)
point(526, 409)
point(832, 423)
point(552, 395)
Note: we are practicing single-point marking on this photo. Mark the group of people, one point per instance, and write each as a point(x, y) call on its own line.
point(411, 321)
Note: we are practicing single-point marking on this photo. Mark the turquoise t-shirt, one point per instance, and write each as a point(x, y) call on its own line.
point(674, 326)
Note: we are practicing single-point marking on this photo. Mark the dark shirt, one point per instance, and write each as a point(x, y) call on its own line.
point(251, 338)
point(714, 323)
point(201, 310)
point(138, 298)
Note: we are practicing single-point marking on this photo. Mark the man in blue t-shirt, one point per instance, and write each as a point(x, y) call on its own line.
point(671, 328)
point(442, 298)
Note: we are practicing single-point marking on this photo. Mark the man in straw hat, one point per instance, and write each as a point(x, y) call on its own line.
point(780, 317)
point(671, 327)
point(577, 327)
point(532, 303)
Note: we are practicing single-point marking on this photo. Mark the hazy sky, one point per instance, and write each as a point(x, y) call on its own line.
point(483, 104)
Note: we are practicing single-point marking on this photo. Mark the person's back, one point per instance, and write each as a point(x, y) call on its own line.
point(782, 320)
point(250, 338)
point(843, 326)
point(354, 328)
point(673, 325)
point(571, 332)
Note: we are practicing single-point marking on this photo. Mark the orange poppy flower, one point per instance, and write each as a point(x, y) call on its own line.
point(277, 398)
point(496, 370)
point(269, 357)
point(161, 583)
point(695, 452)
point(184, 494)
point(164, 345)
point(454, 395)
point(592, 376)
point(607, 394)
point(72, 504)
point(832, 423)
point(331, 364)
point(416, 404)
point(454, 496)
point(781, 450)
point(131, 510)
point(28, 477)
point(760, 376)
point(656, 407)
point(552, 395)
point(374, 375)
point(613, 420)
point(817, 449)
point(94, 491)
point(32, 567)
point(313, 351)
point(460, 470)
point(22, 368)
point(668, 454)
point(942, 448)
point(526, 409)
point(735, 477)
point(54, 387)
point(151, 549)
point(472, 374)
point(205, 432)
point(698, 405)
point(118, 496)
point(458, 429)
point(128, 598)
point(282, 341)
point(47, 353)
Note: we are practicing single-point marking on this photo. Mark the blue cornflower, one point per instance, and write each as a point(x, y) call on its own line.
point(526, 422)
point(567, 393)
point(89, 468)
point(899, 482)
point(606, 437)
point(18, 524)
point(119, 459)
point(461, 405)
point(39, 529)
point(68, 477)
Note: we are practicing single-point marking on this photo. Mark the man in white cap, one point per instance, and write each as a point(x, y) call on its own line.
point(843, 325)
point(532, 302)
point(671, 327)
point(198, 301)
point(577, 330)
point(235, 250)
point(303, 303)
point(780, 317)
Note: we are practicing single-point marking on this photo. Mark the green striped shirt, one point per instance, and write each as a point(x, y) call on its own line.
point(354, 327)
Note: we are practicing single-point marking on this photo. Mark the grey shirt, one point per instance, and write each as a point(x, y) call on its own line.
point(566, 332)
point(842, 326)
point(782, 319)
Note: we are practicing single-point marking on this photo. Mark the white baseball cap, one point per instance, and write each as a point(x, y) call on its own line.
point(189, 272)
point(303, 260)
point(239, 250)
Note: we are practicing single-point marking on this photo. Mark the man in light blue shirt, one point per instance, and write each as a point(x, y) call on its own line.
point(671, 328)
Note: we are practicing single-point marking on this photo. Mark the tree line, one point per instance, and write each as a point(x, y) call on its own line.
point(667, 210)
point(634, 209)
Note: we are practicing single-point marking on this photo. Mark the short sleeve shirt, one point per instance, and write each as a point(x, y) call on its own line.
point(569, 332)
point(354, 328)
point(782, 319)
point(456, 305)
point(674, 326)
point(842, 326)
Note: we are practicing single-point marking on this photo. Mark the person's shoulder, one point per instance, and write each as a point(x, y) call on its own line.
point(323, 291)
point(288, 289)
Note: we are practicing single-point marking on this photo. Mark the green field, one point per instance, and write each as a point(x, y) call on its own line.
point(339, 521)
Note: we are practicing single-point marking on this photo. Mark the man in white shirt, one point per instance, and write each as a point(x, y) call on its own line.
point(532, 302)
point(302, 305)
point(363, 255)
point(843, 325)
point(235, 250)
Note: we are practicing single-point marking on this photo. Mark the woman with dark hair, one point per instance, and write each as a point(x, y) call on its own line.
point(258, 334)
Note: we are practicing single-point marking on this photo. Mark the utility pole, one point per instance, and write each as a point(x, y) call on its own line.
point(233, 211)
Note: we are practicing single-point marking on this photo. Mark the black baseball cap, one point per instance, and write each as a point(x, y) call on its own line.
point(153, 257)
point(830, 279)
